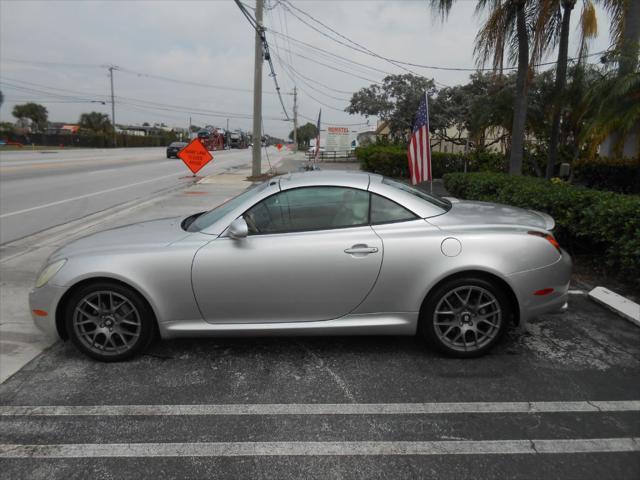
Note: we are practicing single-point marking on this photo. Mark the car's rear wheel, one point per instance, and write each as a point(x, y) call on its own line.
point(465, 317)
point(109, 322)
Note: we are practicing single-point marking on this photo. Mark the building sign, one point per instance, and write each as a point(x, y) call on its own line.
point(337, 139)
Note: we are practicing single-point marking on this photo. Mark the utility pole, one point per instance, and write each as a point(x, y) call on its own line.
point(113, 106)
point(257, 94)
point(295, 119)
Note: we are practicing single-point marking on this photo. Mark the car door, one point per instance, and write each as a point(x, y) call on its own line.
point(310, 255)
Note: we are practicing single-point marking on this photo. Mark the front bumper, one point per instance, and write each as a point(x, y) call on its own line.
point(46, 299)
point(556, 276)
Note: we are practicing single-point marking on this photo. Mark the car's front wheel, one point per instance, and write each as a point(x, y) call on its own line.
point(109, 321)
point(465, 317)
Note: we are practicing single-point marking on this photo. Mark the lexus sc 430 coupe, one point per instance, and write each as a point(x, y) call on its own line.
point(314, 253)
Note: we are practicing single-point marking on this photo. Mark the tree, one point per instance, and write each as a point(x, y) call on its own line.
point(512, 26)
point(396, 101)
point(589, 28)
point(475, 110)
point(621, 87)
point(305, 133)
point(35, 113)
point(96, 122)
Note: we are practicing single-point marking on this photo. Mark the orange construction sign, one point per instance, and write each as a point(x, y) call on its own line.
point(195, 155)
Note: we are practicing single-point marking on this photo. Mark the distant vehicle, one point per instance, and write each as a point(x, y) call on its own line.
point(238, 139)
point(174, 148)
point(303, 254)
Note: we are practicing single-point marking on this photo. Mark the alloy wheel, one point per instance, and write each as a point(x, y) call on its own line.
point(107, 322)
point(467, 318)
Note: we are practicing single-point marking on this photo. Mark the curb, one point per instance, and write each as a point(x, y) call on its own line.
point(616, 303)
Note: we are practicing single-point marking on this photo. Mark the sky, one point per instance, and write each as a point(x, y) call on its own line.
point(57, 53)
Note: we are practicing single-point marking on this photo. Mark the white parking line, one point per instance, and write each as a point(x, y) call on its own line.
point(93, 194)
point(323, 409)
point(234, 449)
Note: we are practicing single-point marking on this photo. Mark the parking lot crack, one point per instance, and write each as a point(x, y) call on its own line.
point(594, 406)
point(533, 446)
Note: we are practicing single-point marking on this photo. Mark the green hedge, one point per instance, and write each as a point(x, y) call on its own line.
point(615, 174)
point(391, 160)
point(597, 222)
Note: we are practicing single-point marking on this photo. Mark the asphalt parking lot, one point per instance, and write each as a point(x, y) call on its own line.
point(560, 399)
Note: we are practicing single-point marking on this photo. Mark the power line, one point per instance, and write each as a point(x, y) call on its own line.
point(327, 52)
point(140, 74)
point(266, 55)
point(42, 90)
point(364, 50)
point(292, 76)
point(52, 64)
point(360, 48)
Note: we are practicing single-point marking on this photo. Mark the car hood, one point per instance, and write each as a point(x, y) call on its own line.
point(482, 214)
point(152, 234)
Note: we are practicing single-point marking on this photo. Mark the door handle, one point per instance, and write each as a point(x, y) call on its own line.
point(361, 249)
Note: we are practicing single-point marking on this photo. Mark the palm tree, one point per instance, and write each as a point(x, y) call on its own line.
point(614, 111)
point(589, 29)
point(509, 28)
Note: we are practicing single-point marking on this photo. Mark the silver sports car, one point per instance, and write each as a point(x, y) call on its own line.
point(316, 253)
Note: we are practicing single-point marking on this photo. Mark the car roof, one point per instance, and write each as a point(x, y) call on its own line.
point(361, 180)
point(355, 179)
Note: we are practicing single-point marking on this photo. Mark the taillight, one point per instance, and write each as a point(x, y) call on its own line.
point(549, 238)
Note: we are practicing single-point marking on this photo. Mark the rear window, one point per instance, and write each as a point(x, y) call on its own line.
point(432, 199)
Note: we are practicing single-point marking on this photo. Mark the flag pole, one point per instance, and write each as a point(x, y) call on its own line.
point(429, 145)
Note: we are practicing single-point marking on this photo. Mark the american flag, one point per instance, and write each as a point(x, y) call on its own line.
point(419, 153)
point(318, 138)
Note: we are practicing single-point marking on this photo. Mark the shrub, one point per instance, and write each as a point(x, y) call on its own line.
point(391, 161)
point(586, 220)
point(604, 173)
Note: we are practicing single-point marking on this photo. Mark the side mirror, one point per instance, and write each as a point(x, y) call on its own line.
point(238, 229)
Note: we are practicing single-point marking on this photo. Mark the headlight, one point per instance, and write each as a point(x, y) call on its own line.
point(48, 272)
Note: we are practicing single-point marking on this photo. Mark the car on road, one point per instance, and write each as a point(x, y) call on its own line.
point(174, 148)
point(313, 253)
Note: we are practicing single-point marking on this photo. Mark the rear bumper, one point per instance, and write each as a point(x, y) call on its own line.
point(556, 276)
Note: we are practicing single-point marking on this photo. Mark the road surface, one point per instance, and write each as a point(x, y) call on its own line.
point(42, 189)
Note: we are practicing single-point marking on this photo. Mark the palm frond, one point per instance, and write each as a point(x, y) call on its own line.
point(588, 27)
point(442, 7)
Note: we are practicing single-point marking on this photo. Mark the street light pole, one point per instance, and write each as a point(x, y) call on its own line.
point(257, 94)
point(113, 107)
point(295, 119)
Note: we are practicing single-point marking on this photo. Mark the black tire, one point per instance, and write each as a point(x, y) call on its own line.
point(125, 331)
point(462, 329)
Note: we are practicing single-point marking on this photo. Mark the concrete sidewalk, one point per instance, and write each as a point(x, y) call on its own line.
point(20, 261)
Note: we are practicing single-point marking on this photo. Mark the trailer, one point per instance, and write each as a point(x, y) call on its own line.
point(212, 138)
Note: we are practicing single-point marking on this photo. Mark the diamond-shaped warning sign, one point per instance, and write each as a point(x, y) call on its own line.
point(195, 155)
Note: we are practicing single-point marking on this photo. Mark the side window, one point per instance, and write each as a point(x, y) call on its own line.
point(309, 208)
point(384, 210)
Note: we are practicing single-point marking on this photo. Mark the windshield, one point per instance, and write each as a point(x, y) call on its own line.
point(212, 216)
point(433, 199)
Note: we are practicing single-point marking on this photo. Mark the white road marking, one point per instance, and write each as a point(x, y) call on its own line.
point(234, 449)
point(93, 194)
point(577, 292)
point(323, 409)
